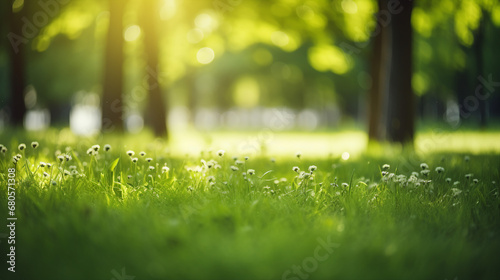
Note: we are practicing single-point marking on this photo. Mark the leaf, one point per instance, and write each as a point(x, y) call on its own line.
point(113, 165)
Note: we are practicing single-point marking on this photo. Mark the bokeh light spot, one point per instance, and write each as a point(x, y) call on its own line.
point(205, 55)
point(345, 156)
point(132, 33)
point(349, 6)
point(195, 35)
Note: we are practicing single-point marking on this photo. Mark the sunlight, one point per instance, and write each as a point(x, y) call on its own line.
point(85, 120)
point(168, 10)
point(132, 33)
point(349, 6)
point(205, 55)
point(345, 155)
point(195, 35)
point(205, 22)
point(280, 38)
point(17, 5)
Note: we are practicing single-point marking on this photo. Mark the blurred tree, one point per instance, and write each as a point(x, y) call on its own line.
point(378, 73)
point(156, 110)
point(478, 53)
point(112, 99)
point(16, 51)
point(401, 111)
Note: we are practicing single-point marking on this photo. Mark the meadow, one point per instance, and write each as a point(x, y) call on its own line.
point(134, 207)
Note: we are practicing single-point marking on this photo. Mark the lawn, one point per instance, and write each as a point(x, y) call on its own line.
point(201, 213)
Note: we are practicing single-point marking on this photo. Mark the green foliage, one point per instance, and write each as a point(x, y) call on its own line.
point(197, 217)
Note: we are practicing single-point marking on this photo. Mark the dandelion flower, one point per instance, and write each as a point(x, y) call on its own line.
point(456, 191)
point(211, 178)
point(296, 169)
point(68, 157)
point(312, 168)
point(448, 180)
point(424, 166)
point(439, 169)
point(298, 154)
point(234, 168)
point(345, 185)
point(384, 173)
point(386, 166)
point(45, 174)
point(142, 154)
point(239, 162)
point(130, 153)
point(165, 169)
point(467, 176)
point(90, 152)
point(107, 147)
point(134, 160)
point(42, 164)
point(149, 159)
point(49, 165)
point(475, 181)
point(60, 158)
point(251, 172)
point(4, 150)
point(151, 168)
point(96, 148)
point(425, 172)
point(34, 144)
point(220, 153)
point(21, 147)
point(247, 158)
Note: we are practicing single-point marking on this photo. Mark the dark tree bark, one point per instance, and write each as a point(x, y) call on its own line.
point(478, 53)
point(16, 49)
point(156, 111)
point(378, 71)
point(401, 115)
point(112, 101)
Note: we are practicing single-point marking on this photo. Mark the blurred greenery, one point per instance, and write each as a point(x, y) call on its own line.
point(222, 54)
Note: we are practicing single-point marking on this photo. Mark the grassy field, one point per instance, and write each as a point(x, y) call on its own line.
point(379, 214)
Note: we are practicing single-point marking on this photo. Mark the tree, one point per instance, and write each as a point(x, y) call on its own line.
point(478, 53)
point(16, 50)
point(379, 60)
point(401, 112)
point(112, 112)
point(156, 110)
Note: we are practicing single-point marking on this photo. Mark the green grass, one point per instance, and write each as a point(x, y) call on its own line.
point(184, 224)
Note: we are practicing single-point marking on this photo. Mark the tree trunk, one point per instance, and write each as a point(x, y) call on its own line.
point(378, 72)
point(16, 50)
point(478, 52)
point(156, 111)
point(401, 115)
point(112, 101)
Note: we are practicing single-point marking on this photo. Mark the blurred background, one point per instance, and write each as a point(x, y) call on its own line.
point(383, 70)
